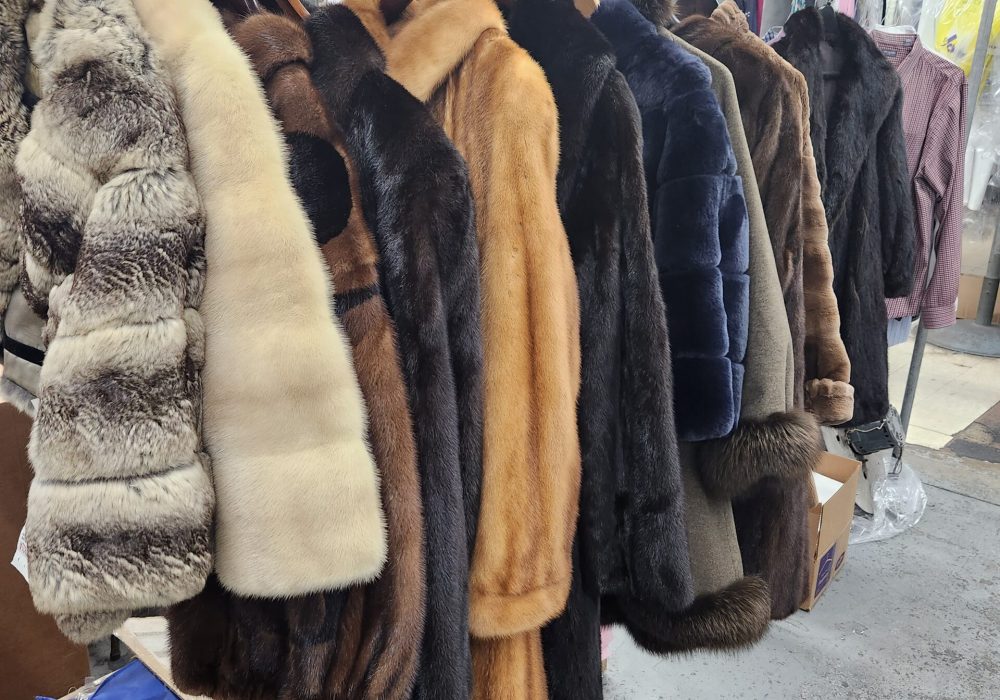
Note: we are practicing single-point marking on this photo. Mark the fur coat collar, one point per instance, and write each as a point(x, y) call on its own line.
point(284, 417)
point(861, 161)
point(871, 85)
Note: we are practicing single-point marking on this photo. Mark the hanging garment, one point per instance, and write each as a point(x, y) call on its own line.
point(934, 99)
point(418, 201)
point(121, 503)
point(496, 106)
point(644, 577)
point(285, 439)
point(13, 128)
point(775, 103)
point(679, 111)
point(698, 217)
point(20, 327)
point(771, 514)
point(333, 644)
point(857, 132)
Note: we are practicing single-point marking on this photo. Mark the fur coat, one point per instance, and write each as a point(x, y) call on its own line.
point(20, 327)
point(284, 417)
point(698, 219)
point(635, 556)
point(764, 466)
point(417, 200)
point(13, 127)
point(861, 159)
point(456, 56)
point(333, 644)
point(121, 504)
point(775, 106)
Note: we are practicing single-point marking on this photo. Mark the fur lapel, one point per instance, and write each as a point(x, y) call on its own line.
point(433, 39)
point(867, 83)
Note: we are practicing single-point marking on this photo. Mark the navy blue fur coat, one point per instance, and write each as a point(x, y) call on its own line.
point(698, 216)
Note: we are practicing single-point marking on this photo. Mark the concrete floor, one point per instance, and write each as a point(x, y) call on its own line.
point(916, 617)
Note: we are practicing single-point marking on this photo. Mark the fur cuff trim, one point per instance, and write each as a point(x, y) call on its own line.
point(732, 618)
point(832, 402)
point(502, 615)
point(783, 445)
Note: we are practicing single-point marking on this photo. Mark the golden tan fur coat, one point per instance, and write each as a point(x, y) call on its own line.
point(494, 102)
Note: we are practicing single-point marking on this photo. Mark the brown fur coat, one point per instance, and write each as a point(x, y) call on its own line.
point(774, 101)
point(363, 642)
point(495, 104)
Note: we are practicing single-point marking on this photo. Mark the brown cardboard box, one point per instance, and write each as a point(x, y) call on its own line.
point(830, 525)
point(969, 287)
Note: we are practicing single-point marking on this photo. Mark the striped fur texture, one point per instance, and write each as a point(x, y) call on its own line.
point(298, 508)
point(120, 510)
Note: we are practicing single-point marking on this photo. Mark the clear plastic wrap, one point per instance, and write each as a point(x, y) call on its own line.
point(897, 496)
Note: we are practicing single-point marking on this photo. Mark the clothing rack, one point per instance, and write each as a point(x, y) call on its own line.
point(977, 337)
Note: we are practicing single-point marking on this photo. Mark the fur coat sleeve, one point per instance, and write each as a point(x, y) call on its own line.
point(284, 417)
point(417, 201)
point(895, 209)
point(120, 509)
point(698, 218)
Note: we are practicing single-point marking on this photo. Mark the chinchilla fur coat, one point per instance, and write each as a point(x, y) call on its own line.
point(120, 509)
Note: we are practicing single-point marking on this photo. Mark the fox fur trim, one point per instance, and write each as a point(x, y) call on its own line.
point(298, 508)
point(732, 618)
point(783, 445)
point(120, 509)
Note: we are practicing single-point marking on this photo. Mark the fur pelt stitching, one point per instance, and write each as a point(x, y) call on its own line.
point(284, 417)
point(120, 509)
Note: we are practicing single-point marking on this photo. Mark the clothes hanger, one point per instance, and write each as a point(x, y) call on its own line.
point(831, 27)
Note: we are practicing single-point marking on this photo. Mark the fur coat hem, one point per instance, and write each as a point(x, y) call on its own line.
point(831, 401)
point(285, 421)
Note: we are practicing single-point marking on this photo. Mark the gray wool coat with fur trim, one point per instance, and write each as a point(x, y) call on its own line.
point(120, 510)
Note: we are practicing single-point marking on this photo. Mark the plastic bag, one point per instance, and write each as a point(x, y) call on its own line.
point(897, 496)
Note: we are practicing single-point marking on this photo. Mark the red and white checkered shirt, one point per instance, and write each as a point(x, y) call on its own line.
point(934, 103)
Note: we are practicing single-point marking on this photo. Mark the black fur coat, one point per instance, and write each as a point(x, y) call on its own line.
point(416, 199)
point(861, 161)
point(631, 561)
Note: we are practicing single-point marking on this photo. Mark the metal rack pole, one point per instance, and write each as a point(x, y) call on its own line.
point(956, 337)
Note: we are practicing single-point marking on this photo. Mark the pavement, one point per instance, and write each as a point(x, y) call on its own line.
point(915, 617)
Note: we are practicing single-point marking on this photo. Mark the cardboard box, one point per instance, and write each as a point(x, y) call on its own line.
point(830, 524)
point(969, 287)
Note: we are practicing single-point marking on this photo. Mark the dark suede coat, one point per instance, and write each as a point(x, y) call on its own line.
point(417, 201)
point(861, 161)
point(698, 217)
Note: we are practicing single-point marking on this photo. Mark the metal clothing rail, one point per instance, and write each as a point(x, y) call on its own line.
point(979, 337)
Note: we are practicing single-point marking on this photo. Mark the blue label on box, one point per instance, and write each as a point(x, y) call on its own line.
point(825, 570)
